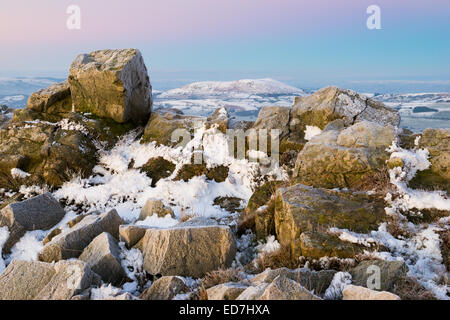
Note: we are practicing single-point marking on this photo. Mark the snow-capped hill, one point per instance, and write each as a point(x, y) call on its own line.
point(209, 89)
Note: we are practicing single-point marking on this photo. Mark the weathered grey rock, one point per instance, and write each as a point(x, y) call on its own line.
point(23, 280)
point(253, 292)
point(273, 118)
point(283, 288)
point(131, 234)
point(226, 291)
point(390, 273)
point(103, 257)
point(352, 292)
point(332, 103)
point(112, 84)
point(71, 243)
point(344, 159)
point(38, 213)
point(301, 209)
point(54, 99)
point(153, 206)
point(318, 281)
point(188, 250)
point(71, 279)
point(165, 288)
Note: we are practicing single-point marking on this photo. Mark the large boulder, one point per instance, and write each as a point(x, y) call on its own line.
point(352, 292)
point(54, 99)
point(332, 103)
point(71, 242)
point(112, 84)
point(303, 210)
point(273, 118)
point(187, 250)
point(50, 152)
point(131, 234)
point(103, 257)
point(226, 291)
point(391, 272)
point(38, 213)
point(283, 288)
point(32, 280)
point(437, 141)
point(344, 159)
point(154, 206)
point(165, 288)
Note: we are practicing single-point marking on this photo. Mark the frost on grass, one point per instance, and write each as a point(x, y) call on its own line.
point(19, 174)
point(158, 222)
point(271, 245)
point(28, 247)
point(104, 292)
point(338, 284)
point(312, 131)
point(117, 184)
point(132, 261)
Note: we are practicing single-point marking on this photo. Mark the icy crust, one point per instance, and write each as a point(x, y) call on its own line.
point(116, 184)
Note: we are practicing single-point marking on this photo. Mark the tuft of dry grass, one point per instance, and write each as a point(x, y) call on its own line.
point(201, 294)
point(220, 276)
point(283, 257)
point(409, 289)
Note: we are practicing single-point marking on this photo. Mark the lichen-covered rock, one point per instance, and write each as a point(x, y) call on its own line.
point(112, 84)
point(301, 209)
point(273, 118)
point(71, 242)
point(158, 168)
point(54, 99)
point(165, 288)
point(102, 255)
point(226, 291)
point(437, 141)
point(352, 292)
point(344, 159)
point(153, 206)
point(189, 251)
point(318, 244)
point(39, 213)
point(331, 103)
point(162, 125)
point(390, 273)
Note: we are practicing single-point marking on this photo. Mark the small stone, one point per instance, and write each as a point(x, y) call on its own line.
point(165, 288)
point(352, 292)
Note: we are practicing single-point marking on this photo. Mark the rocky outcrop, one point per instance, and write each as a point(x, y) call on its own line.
point(332, 103)
point(437, 141)
point(189, 251)
point(344, 159)
point(302, 213)
point(352, 292)
point(103, 257)
point(391, 272)
point(38, 213)
point(71, 242)
point(31, 280)
point(165, 288)
point(220, 119)
point(273, 118)
point(112, 84)
point(54, 99)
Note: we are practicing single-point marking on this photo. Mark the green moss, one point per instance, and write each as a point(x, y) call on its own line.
point(429, 180)
point(189, 171)
point(158, 168)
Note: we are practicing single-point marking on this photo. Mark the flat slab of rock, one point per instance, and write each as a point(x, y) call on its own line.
point(301, 209)
point(38, 213)
point(189, 251)
point(71, 243)
point(103, 257)
point(352, 292)
point(112, 84)
point(23, 280)
point(226, 291)
point(165, 288)
point(54, 99)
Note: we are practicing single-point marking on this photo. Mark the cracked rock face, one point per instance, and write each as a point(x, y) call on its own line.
point(112, 84)
point(332, 103)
